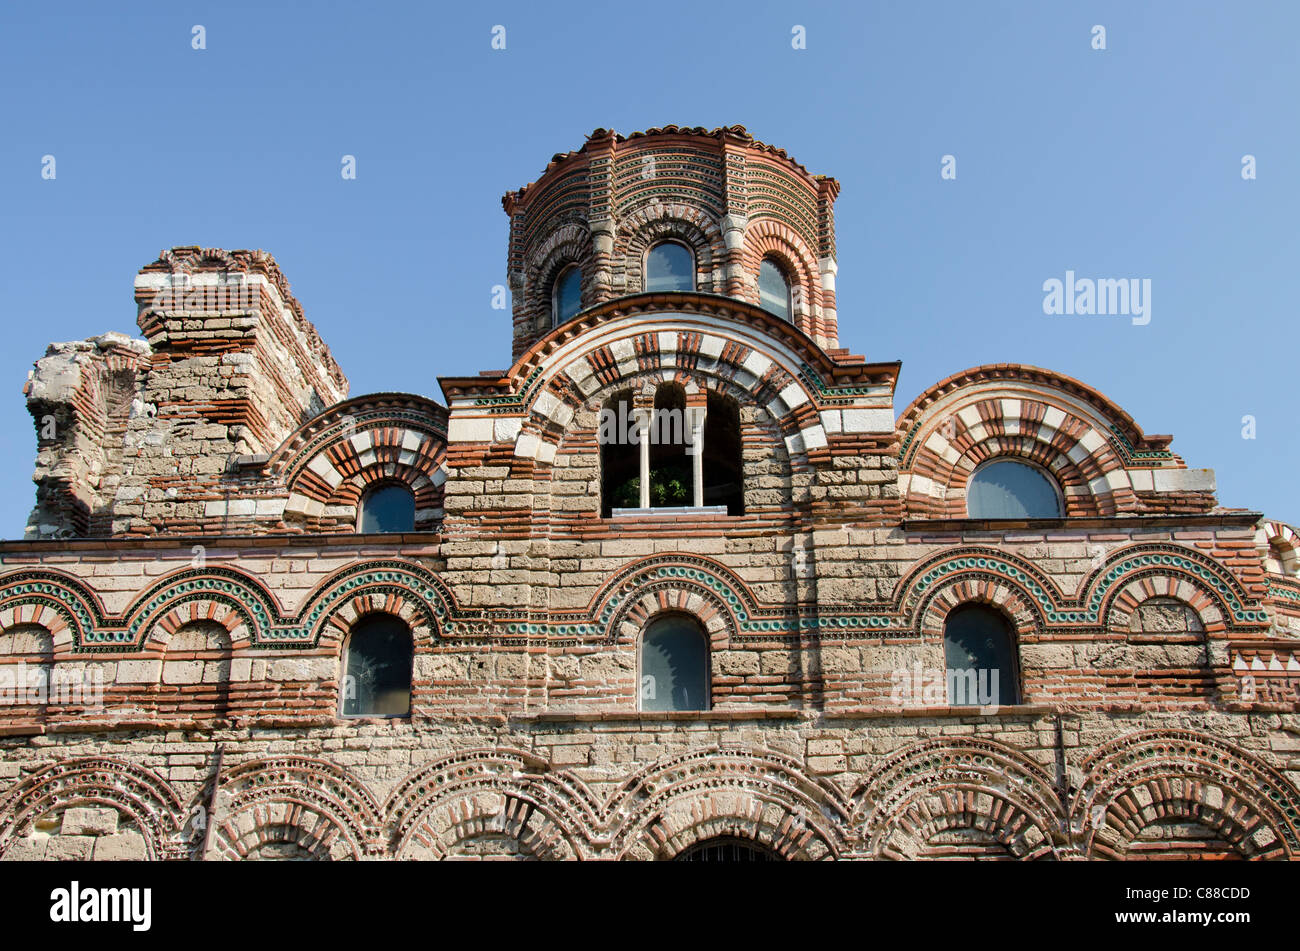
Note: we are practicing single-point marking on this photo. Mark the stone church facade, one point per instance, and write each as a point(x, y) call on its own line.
point(254, 617)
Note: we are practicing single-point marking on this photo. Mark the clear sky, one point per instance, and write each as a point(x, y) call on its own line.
point(1122, 163)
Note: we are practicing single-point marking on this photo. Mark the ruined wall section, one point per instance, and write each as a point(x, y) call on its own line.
point(82, 396)
point(139, 437)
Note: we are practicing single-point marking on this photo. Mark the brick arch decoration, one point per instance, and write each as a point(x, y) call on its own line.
point(673, 804)
point(490, 793)
point(1158, 774)
point(1223, 603)
point(680, 582)
point(311, 803)
point(933, 588)
point(641, 229)
point(59, 603)
point(568, 243)
point(1016, 578)
point(1009, 601)
point(145, 798)
point(1092, 448)
point(238, 601)
point(1197, 596)
point(404, 589)
point(695, 383)
point(940, 785)
point(329, 462)
point(770, 360)
point(768, 237)
point(195, 610)
point(241, 603)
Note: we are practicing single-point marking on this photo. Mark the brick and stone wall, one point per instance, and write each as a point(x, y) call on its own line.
point(173, 628)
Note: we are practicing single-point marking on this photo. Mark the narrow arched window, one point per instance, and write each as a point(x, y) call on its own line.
point(674, 665)
point(669, 266)
point(620, 458)
point(377, 668)
point(1006, 489)
point(566, 295)
point(387, 508)
point(979, 658)
point(724, 470)
point(671, 467)
point(774, 289)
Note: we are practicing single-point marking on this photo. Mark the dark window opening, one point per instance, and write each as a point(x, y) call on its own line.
point(979, 657)
point(672, 470)
point(674, 665)
point(377, 674)
point(388, 508)
point(724, 470)
point(620, 458)
point(774, 289)
point(566, 296)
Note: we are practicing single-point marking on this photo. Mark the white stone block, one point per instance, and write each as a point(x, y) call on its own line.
point(506, 428)
point(814, 437)
point(793, 395)
point(182, 672)
point(869, 420)
point(469, 429)
point(1184, 480)
point(758, 364)
point(526, 446)
point(138, 671)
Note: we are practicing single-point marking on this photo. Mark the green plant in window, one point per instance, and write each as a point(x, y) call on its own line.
point(670, 485)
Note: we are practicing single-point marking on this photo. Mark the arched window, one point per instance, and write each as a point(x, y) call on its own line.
point(1007, 489)
point(669, 266)
point(979, 658)
point(724, 471)
point(387, 508)
point(620, 459)
point(674, 664)
point(377, 668)
point(566, 295)
point(774, 289)
point(671, 468)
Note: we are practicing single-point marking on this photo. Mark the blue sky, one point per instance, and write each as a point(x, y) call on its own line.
point(1122, 163)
